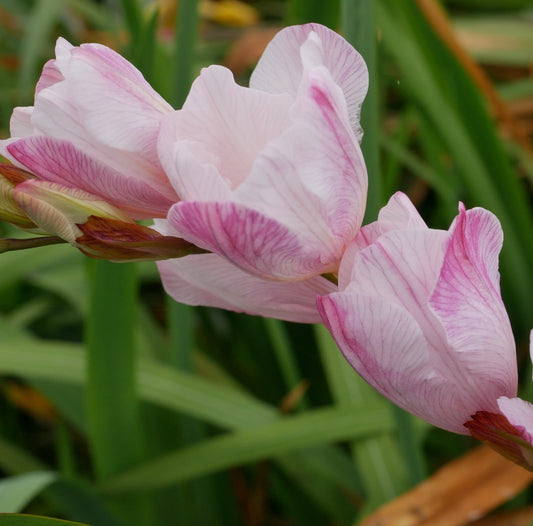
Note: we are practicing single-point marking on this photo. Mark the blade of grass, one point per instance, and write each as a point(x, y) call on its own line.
point(303, 11)
point(448, 97)
point(196, 500)
point(9, 519)
point(156, 383)
point(184, 50)
point(112, 408)
point(314, 427)
point(36, 35)
point(17, 491)
point(328, 477)
point(283, 351)
point(359, 28)
point(377, 459)
point(134, 20)
point(14, 459)
point(422, 170)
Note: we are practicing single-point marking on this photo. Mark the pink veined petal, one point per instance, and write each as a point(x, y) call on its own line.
point(467, 301)
point(385, 345)
point(520, 415)
point(398, 214)
point(312, 178)
point(55, 115)
point(230, 123)
point(402, 268)
point(280, 68)
point(60, 162)
point(209, 280)
point(255, 243)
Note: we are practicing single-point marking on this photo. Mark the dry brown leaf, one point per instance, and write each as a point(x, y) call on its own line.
point(522, 517)
point(30, 401)
point(460, 493)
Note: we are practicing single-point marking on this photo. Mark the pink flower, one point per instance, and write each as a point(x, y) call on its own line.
point(271, 177)
point(420, 317)
point(94, 127)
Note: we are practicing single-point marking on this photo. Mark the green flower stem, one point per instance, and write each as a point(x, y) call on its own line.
point(113, 418)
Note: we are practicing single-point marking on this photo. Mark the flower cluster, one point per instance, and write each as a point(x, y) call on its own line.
point(257, 197)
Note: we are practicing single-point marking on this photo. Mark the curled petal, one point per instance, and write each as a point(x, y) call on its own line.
point(281, 66)
point(467, 301)
point(312, 178)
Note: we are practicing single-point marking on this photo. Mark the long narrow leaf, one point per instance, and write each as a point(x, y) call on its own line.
point(112, 409)
point(33, 520)
point(308, 429)
point(17, 491)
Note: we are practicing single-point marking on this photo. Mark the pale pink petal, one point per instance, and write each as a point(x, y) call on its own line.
point(231, 123)
point(49, 76)
point(467, 301)
point(281, 68)
point(398, 214)
point(118, 106)
point(62, 52)
point(60, 162)
point(312, 178)
point(191, 178)
point(55, 115)
point(385, 345)
point(209, 280)
point(20, 124)
point(520, 415)
point(255, 243)
point(402, 266)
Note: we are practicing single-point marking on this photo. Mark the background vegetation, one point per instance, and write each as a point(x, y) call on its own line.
point(118, 406)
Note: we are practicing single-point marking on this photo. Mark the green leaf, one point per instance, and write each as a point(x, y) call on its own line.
point(226, 407)
point(287, 434)
point(17, 491)
point(112, 406)
point(37, 31)
point(438, 84)
point(34, 520)
point(377, 458)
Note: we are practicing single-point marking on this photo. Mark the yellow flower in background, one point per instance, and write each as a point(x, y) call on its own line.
point(229, 12)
